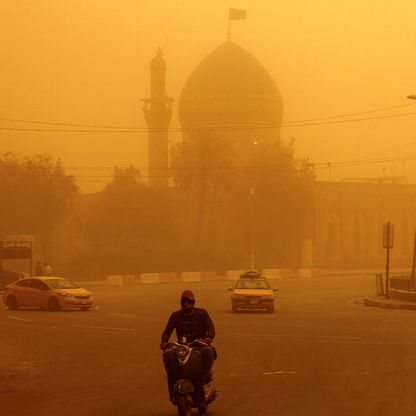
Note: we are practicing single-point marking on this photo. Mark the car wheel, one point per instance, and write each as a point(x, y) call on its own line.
point(11, 303)
point(53, 304)
point(271, 309)
point(233, 309)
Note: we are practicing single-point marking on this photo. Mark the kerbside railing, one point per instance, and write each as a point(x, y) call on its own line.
point(407, 283)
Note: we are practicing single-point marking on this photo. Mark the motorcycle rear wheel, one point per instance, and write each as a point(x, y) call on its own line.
point(184, 404)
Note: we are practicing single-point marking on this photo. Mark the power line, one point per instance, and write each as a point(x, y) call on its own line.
point(351, 114)
point(225, 170)
point(209, 128)
point(389, 149)
point(180, 129)
point(51, 123)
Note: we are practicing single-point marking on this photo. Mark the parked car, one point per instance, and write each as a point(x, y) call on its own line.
point(252, 291)
point(47, 292)
point(7, 277)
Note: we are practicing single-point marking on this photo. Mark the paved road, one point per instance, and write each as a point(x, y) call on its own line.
point(321, 353)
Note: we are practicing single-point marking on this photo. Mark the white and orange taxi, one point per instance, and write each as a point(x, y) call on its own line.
point(252, 291)
point(46, 292)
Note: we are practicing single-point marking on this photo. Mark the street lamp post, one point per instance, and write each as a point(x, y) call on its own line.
point(252, 193)
point(413, 97)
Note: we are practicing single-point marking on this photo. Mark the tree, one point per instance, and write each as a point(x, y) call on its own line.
point(282, 203)
point(201, 166)
point(35, 193)
point(131, 226)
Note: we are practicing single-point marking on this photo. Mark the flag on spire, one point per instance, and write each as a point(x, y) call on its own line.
point(237, 14)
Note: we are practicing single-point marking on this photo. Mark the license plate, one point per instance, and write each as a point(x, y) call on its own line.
point(253, 301)
point(83, 301)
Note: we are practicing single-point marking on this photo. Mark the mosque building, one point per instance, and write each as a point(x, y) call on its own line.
point(231, 95)
point(230, 102)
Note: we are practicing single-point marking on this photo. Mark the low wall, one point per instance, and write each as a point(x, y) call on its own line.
point(153, 278)
point(169, 278)
point(121, 280)
point(198, 276)
point(234, 274)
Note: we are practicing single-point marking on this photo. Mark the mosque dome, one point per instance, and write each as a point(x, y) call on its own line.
point(230, 86)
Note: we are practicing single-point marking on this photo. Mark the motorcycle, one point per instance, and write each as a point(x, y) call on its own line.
point(188, 390)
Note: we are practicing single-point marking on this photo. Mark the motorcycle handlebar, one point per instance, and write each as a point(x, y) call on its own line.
point(196, 341)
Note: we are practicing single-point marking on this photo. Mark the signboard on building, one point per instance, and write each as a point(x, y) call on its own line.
point(12, 249)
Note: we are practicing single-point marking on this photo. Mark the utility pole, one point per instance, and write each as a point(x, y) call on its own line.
point(252, 196)
point(388, 234)
point(414, 258)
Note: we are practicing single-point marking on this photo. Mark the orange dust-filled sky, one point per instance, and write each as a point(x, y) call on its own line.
point(87, 62)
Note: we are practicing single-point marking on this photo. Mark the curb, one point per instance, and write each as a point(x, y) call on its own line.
point(388, 304)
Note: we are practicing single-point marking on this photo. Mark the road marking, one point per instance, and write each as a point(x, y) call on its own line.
point(272, 373)
point(329, 337)
point(86, 398)
point(123, 314)
point(103, 327)
point(20, 319)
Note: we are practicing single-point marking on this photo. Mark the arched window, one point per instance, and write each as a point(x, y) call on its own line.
point(330, 244)
point(333, 234)
point(404, 234)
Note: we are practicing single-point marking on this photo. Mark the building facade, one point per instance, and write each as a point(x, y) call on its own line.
point(349, 219)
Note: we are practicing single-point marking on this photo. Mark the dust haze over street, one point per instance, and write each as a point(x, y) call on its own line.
point(148, 145)
point(321, 353)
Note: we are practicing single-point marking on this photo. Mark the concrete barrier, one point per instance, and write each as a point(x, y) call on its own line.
point(149, 278)
point(169, 277)
point(191, 277)
point(234, 274)
point(121, 280)
point(209, 276)
point(304, 273)
point(288, 273)
point(272, 273)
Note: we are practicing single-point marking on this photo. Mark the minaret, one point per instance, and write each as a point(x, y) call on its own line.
point(157, 112)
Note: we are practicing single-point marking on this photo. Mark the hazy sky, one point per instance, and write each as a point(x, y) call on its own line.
point(87, 62)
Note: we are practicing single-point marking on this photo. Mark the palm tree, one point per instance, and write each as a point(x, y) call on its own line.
point(201, 165)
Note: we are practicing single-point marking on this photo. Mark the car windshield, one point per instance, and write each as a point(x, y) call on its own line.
point(252, 284)
point(61, 284)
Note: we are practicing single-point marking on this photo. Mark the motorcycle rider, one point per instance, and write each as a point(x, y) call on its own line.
point(190, 323)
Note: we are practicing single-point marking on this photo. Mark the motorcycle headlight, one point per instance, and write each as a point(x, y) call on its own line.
point(181, 351)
